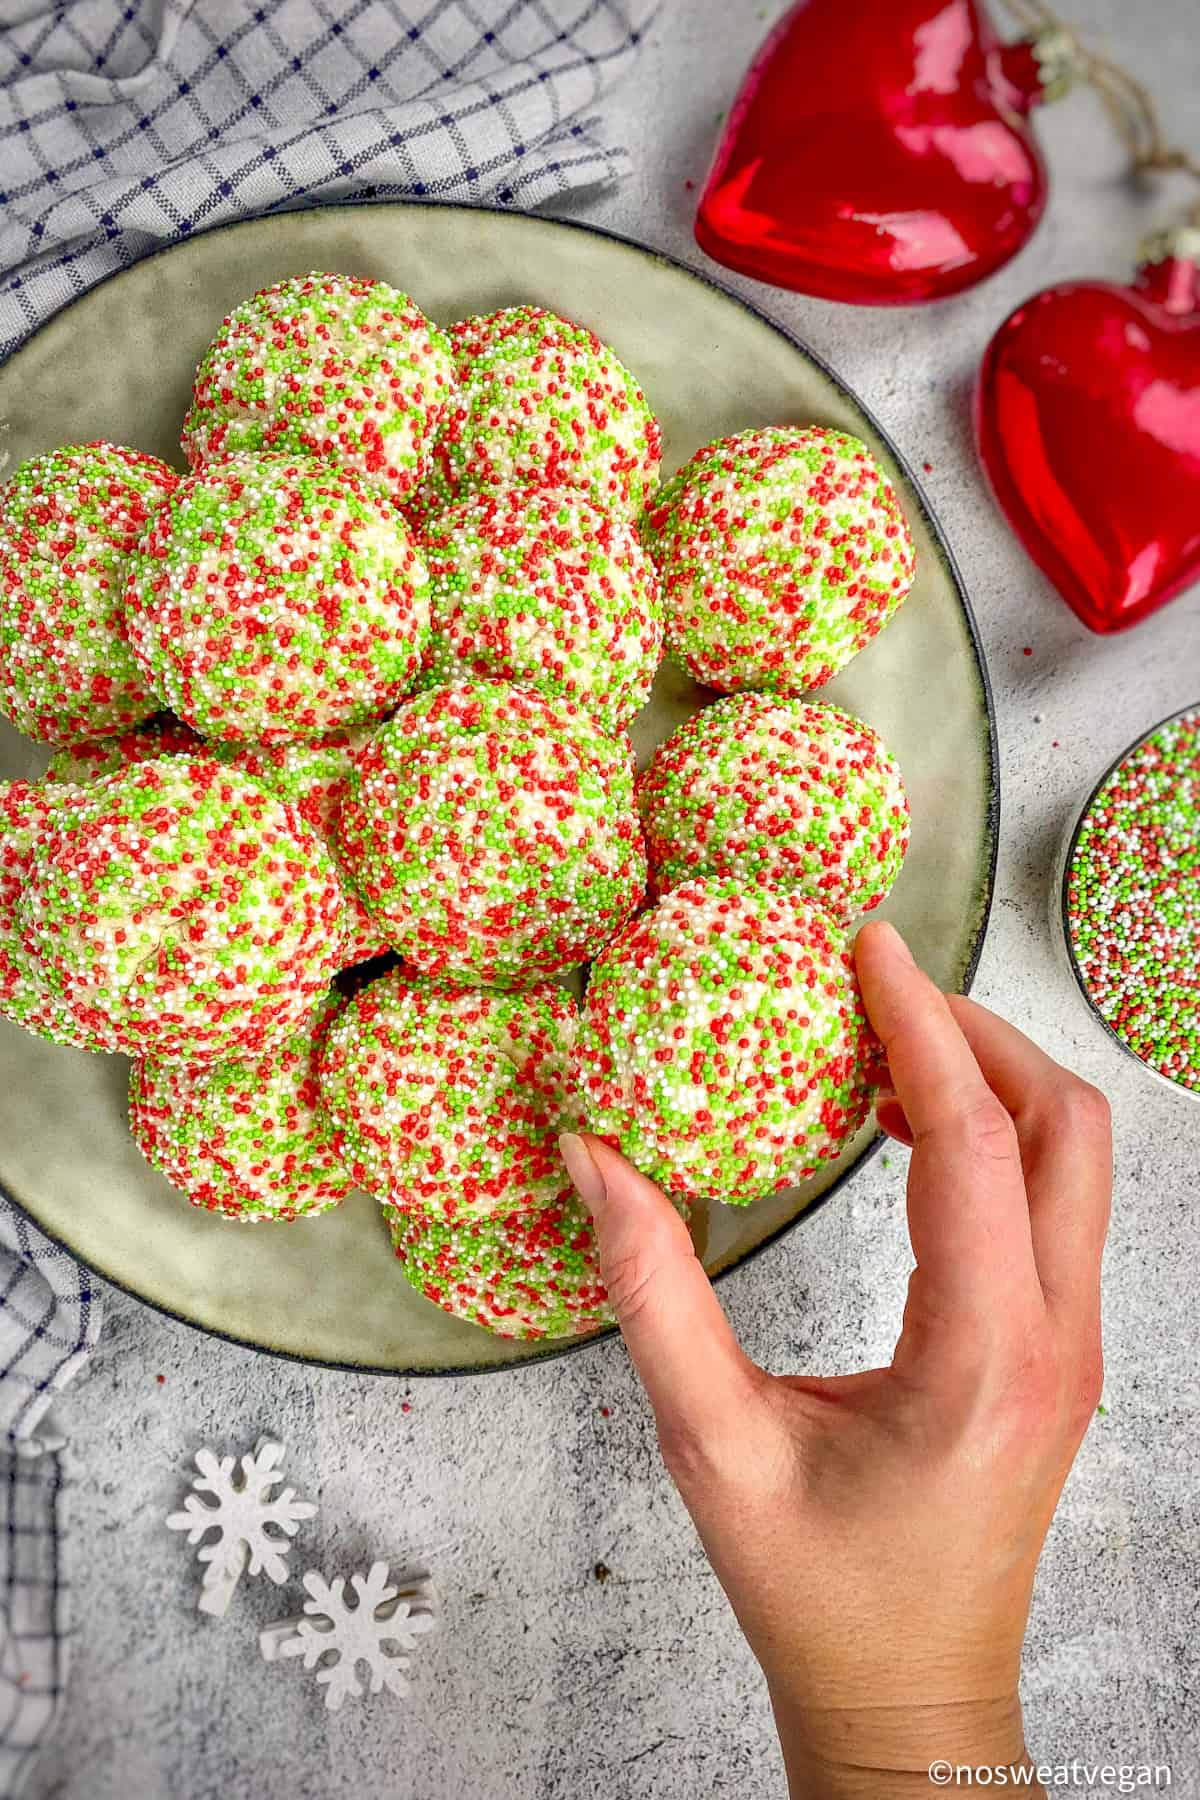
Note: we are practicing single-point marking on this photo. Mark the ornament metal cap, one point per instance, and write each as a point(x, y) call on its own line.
point(1169, 268)
point(1061, 62)
point(1173, 243)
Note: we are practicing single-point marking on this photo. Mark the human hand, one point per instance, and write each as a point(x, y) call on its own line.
point(877, 1534)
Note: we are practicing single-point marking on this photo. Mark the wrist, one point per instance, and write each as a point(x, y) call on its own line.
point(886, 1752)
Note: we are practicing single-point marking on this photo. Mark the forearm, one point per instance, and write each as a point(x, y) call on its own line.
point(886, 1753)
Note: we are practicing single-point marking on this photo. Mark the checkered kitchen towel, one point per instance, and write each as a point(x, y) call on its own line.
point(127, 123)
point(49, 1318)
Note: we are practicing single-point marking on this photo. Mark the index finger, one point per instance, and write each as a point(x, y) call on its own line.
point(1066, 1148)
point(698, 1379)
point(968, 1213)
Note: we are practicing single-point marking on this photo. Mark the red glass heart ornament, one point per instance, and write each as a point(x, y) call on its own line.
point(1087, 416)
point(879, 151)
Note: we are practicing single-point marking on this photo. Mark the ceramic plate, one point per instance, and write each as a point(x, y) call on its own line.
point(117, 364)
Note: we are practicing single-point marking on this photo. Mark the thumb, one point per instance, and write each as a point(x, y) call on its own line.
point(680, 1341)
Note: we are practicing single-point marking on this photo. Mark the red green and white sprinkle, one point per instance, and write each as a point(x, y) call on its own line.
point(543, 403)
point(273, 599)
point(312, 775)
point(180, 910)
point(69, 522)
point(522, 330)
point(329, 366)
point(724, 1046)
point(493, 834)
point(782, 553)
point(543, 589)
point(315, 778)
point(448, 1102)
point(1133, 900)
point(90, 758)
point(521, 1275)
point(26, 813)
point(244, 1139)
point(779, 794)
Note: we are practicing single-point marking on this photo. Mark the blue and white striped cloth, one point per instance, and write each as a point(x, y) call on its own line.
point(127, 123)
point(49, 1319)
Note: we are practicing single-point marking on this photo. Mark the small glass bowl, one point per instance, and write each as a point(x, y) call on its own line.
point(1060, 920)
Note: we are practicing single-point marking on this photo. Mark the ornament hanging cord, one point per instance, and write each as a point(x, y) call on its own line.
point(1129, 103)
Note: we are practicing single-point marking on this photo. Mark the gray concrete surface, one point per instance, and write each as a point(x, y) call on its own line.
point(548, 1683)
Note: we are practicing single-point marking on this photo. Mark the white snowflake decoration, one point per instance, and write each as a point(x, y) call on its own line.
point(251, 1528)
point(384, 1614)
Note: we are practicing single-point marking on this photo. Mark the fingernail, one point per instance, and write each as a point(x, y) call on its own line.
point(898, 946)
point(587, 1179)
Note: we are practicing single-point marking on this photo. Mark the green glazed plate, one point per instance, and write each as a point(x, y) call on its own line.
point(117, 364)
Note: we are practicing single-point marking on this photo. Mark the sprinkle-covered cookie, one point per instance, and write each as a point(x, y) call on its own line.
point(780, 794)
point(328, 366)
point(516, 330)
point(493, 834)
point(448, 1102)
point(315, 778)
point(522, 1275)
point(69, 522)
point(26, 813)
point(314, 775)
point(543, 403)
point(782, 553)
point(244, 1139)
point(543, 589)
point(179, 910)
point(724, 1046)
point(89, 758)
point(274, 599)
point(1133, 900)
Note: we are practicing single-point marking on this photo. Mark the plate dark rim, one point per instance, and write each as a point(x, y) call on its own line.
point(569, 1346)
